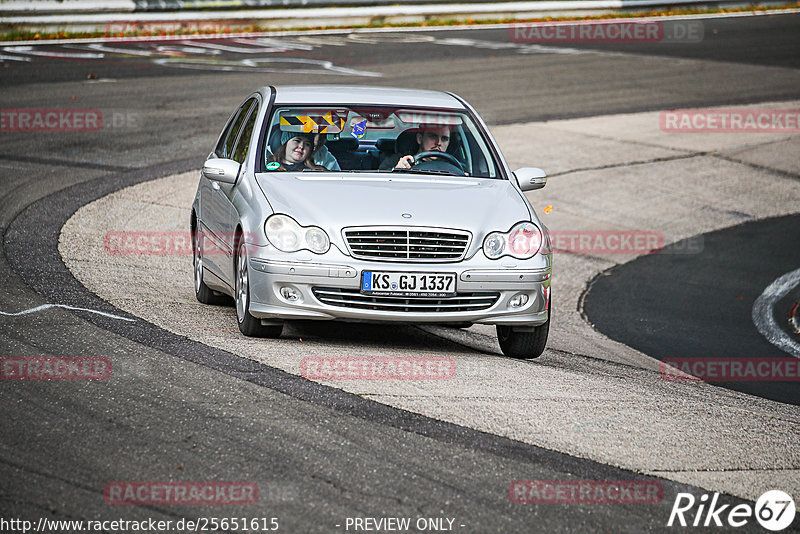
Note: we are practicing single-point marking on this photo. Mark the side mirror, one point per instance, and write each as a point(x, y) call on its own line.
point(530, 178)
point(221, 170)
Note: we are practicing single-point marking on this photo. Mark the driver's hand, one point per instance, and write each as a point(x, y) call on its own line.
point(405, 162)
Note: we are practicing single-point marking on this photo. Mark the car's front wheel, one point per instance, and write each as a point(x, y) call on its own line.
point(249, 325)
point(202, 292)
point(524, 345)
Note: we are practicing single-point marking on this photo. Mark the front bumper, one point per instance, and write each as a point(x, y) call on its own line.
point(327, 290)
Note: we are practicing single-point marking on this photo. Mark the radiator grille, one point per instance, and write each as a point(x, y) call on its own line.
point(352, 298)
point(407, 244)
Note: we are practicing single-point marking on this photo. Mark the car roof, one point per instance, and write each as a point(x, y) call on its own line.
point(363, 95)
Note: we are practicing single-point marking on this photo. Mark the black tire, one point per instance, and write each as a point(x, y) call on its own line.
point(202, 292)
point(524, 345)
point(248, 325)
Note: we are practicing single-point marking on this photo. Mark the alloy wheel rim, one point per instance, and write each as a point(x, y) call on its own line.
point(241, 283)
point(198, 267)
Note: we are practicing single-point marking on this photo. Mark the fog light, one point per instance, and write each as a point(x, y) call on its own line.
point(289, 293)
point(518, 300)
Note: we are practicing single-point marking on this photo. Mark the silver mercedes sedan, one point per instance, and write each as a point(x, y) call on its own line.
point(370, 204)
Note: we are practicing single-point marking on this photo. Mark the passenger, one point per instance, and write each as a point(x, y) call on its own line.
point(295, 153)
point(322, 155)
point(431, 138)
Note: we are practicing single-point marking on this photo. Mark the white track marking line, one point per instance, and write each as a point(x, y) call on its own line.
point(44, 53)
point(255, 46)
point(274, 43)
point(100, 47)
point(66, 307)
point(763, 317)
point(4, 57)
point(261, 64)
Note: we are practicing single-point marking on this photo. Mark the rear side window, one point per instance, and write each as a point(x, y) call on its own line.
point(220, 150)
point(244, 138)
point(228, 139)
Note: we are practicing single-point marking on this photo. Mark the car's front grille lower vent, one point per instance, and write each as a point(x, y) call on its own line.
point(352, 298)
point(407, 244)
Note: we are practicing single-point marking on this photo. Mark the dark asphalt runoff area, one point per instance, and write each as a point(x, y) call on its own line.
point(178, 410)
point(689, 306)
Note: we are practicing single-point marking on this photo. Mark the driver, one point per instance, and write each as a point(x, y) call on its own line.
point(435, 138)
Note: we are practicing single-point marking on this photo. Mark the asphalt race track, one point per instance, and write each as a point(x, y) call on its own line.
point(178, 409)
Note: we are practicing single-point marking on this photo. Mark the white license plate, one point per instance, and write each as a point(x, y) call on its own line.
point(408, 284)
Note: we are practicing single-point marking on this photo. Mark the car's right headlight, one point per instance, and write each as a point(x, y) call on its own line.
point(523, 241)
point(285, 234)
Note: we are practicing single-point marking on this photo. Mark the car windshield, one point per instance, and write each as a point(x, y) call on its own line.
point(377, 138)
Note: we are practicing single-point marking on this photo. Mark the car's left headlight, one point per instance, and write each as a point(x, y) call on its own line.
point(285, 234)
point(523, 241)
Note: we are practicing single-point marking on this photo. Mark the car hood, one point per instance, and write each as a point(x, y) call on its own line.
point(333, 202)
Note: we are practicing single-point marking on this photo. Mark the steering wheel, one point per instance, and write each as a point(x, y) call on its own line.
point(451, 159)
